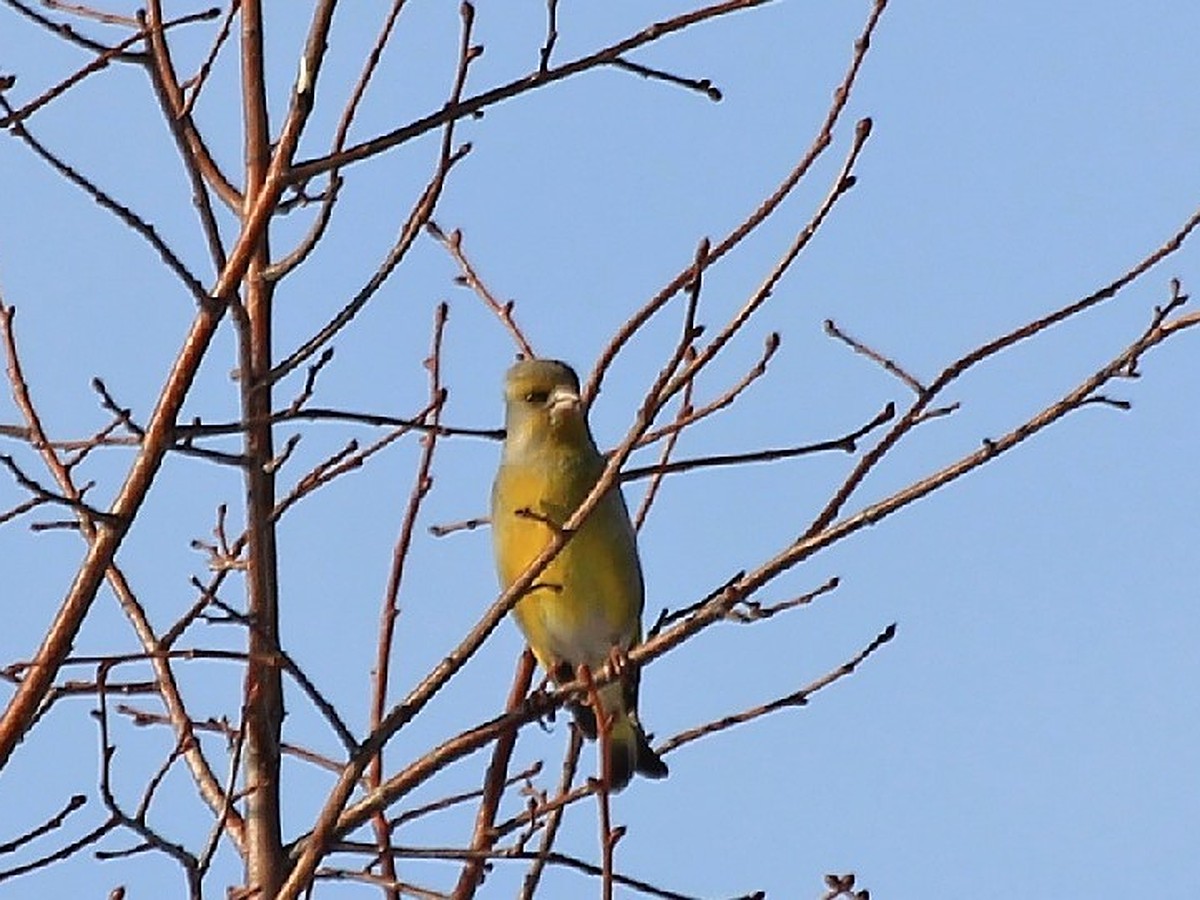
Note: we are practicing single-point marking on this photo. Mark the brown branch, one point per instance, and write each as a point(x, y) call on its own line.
point(74, 687)
point(747, 610)
point(393, 886)
point(608, 836)
point(86, 12)
point(144, 718)
point(137, 822)
point(420, 213)
point(65, 852)
point(664, 458)
point(198, 163)
point(54, 92)
point(23, 706)
point(345, 460)
point(553, 817)
point(547, 808)
point(892, 368)
point(43, 494)
point(197, 429)
point(685, 345)
point(685, 351)
point(96, 440)
point(262, 694)
point(123, 414)
point(209, 788)
point(237, 745)
point(558, 859)
point(282, 661)
point(452, 527)
point(105, 438)
point(15, 512)
point(310, 380)
point(483, 838)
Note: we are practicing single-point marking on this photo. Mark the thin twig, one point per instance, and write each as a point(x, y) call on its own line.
point(390, 606)
point(455, 799)
point(106, 201)
point(847, 443)
point(758, 370)
point(796, 698)
point(197, 429)
point(145, 718)
point(700, 85)
point(664, 458)
point(608, 836)
point(77, 801)
point(889, 366)
point(685, 351)
point(553, 817)
point(503, 311)
point(197, 82)
point(557, 859)
point(59, 30)
point(201, 168)
point(551, 35)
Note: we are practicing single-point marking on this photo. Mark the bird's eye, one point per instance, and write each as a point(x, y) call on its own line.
point(538, 397)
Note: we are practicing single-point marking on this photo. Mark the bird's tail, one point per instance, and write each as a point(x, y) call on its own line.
point(629, 752)
point(628, 749)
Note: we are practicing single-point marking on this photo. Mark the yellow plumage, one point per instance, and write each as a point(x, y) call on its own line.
point(589, 599)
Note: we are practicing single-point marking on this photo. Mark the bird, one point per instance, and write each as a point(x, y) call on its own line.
point(585, 607)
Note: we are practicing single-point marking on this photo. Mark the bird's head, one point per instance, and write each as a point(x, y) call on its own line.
point(542, 404)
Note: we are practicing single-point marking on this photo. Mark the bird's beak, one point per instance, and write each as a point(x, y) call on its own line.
point(563, 399)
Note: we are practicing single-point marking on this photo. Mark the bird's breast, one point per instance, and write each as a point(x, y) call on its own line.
point(589, 597)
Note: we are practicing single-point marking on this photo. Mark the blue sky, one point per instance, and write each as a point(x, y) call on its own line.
point(1031, 731)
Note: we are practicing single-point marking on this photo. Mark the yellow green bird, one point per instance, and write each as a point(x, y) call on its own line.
point(588, 601)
